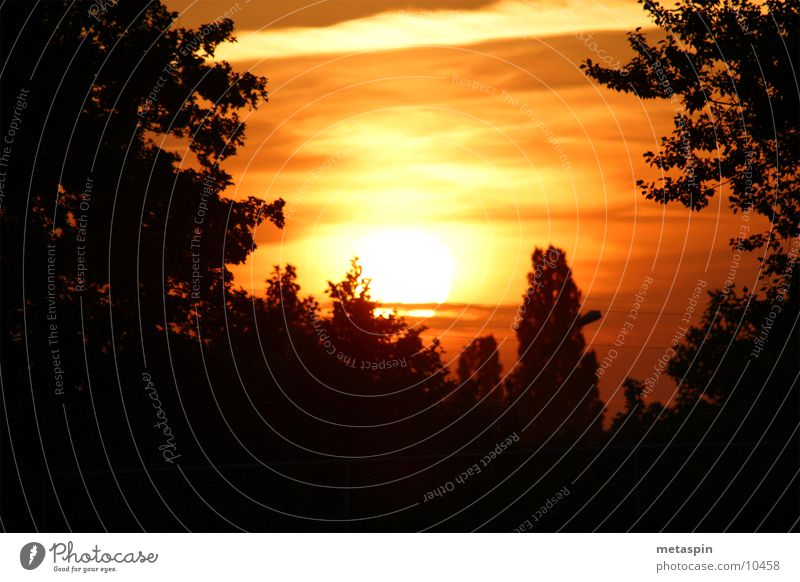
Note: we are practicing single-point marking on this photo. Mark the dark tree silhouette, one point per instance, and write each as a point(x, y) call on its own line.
point(479, 371)
point(344, 363)
point(107, 132)
point(761, 336)
point(555, 376)
point(730, 70)
point(382, 350)
point(115, 240)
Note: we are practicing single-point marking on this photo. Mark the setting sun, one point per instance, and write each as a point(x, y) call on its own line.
point(407, 266)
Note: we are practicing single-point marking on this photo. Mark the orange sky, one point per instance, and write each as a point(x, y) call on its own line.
point(469, 122)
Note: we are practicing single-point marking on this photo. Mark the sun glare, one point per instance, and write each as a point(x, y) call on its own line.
point(407, 266)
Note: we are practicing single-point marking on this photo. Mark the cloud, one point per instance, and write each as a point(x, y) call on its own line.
point(420, 28)
point(308, 13)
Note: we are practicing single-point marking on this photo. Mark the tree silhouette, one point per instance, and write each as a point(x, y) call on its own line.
point(115, 243)
point(737, 130)
point(761, 335)
point(479, 371)
point(383, 349)
point(727, 67)
point(104, 186)
point(346, 363)
point(555, 377)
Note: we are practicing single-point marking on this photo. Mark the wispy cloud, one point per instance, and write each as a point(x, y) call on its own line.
point(422, 27)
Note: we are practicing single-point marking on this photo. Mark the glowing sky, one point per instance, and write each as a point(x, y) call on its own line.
point(471, 122)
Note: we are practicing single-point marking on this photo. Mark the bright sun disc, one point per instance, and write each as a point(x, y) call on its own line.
point(407, 266)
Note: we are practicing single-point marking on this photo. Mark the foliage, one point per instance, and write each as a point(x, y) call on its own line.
point(555, 378)
point(726, 66)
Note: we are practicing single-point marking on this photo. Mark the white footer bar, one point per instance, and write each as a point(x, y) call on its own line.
point(399, 557)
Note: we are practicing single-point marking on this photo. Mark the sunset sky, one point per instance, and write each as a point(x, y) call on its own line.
point(466, 130)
